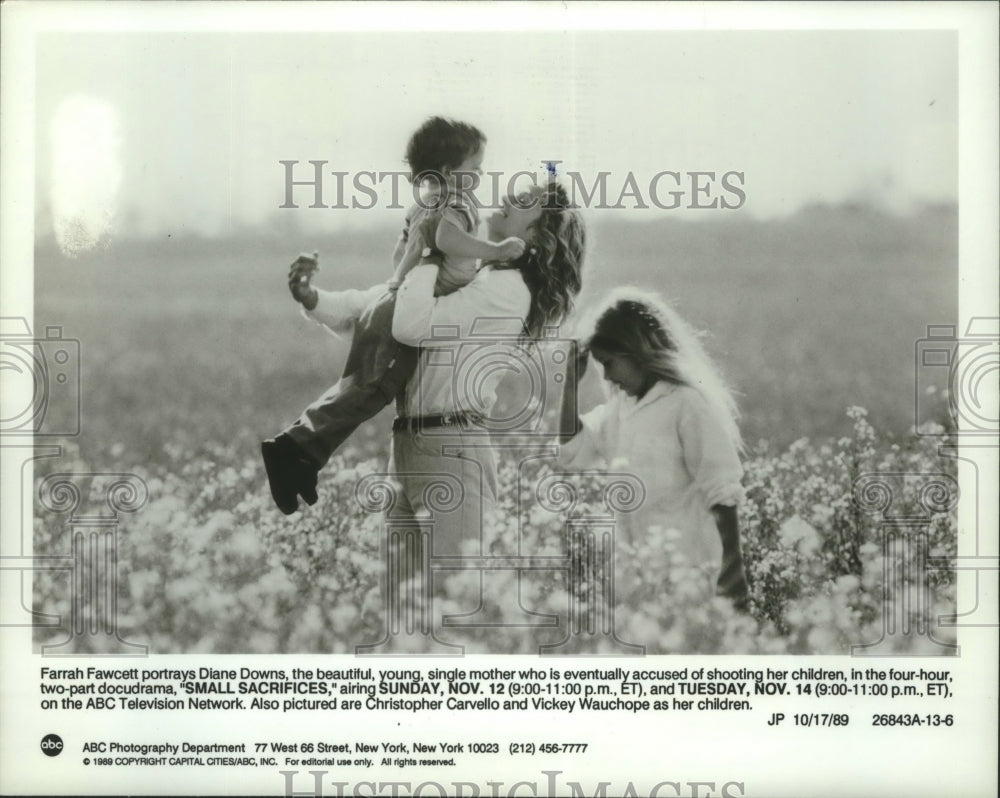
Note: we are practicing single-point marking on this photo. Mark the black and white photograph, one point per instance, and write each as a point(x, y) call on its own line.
point(411, 398)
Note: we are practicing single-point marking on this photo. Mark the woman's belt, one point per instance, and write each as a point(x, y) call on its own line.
point(418, 423)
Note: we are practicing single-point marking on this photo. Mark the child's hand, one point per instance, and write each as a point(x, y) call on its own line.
point(299, 276)
point(510, 248)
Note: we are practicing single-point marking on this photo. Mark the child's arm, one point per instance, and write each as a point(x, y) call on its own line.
point(405, 260)
point(569, 415)
point(404, 246)
point(713, 462)
point(732, 581)
point(397, 252)
point(336, 310)
point(446, 238)
point(453, 241)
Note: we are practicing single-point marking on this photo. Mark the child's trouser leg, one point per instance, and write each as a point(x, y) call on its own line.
point(376, 371)
point(331, 419)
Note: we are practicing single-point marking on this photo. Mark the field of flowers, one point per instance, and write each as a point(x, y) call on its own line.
point(191, 353)
point(210, 566)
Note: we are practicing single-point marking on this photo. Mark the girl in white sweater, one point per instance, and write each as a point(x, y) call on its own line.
point(669, 420)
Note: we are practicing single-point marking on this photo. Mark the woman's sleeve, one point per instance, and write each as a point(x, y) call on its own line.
point(494, 303)
point(586, 449)
point(339, 310)
point(709, 453)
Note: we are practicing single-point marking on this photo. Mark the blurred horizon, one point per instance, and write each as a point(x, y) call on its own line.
point(160, 242)
point(282, 225)
point(183, 133)
point(187, 338)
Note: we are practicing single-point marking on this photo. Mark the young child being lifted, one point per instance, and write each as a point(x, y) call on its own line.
point(445, 159)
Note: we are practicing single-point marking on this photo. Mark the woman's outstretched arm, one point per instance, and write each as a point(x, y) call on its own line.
point(495, 303)
point(337, 310)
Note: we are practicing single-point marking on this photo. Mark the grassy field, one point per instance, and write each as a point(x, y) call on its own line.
point(191, 351)
point(192, 340)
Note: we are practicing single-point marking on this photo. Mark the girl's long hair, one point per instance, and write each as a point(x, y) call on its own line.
point(551, 266)
point(639, 324)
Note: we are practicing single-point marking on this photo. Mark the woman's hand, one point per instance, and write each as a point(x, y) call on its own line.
point(299, 276)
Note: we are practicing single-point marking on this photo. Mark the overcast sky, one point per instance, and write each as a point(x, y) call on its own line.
point(185, 132)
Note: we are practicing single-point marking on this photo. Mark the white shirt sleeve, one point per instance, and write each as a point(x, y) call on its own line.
point(339, 310)
point(710, 455)
point(586, 449)
point(494, 303)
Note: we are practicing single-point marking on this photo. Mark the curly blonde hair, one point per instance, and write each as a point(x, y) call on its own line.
point(552, 265)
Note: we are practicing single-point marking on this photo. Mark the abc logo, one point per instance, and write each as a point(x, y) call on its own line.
point(52, 745)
